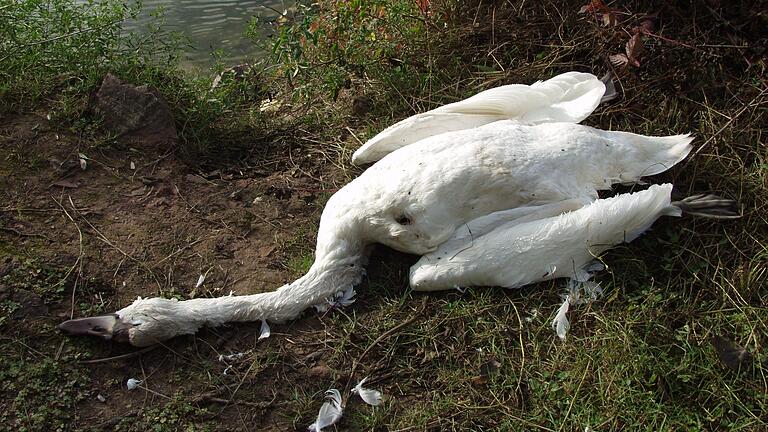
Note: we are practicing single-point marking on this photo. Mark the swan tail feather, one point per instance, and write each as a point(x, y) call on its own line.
point(708, 206)
point(640, 156)
point(610, 89)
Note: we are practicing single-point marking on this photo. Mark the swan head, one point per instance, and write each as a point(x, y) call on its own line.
point(366, 212)
point(143, 323)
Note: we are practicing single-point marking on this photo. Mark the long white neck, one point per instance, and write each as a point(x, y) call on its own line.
point(333, 271)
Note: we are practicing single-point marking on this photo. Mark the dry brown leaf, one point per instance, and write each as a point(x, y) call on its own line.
point(733, 355)
point(479, 380)
point(647, 26)
point(593, 7)
point(610, 19)
point(265, 251)
point(634, 49)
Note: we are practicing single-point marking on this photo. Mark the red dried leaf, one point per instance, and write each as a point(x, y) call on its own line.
point(594, 6)
point(610, 19)
point(618, 60)
point(423, 6)
point(634, 49)
point(647, 26)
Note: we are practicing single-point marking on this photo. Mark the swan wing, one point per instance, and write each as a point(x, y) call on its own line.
point(569, 97)
point(517, 252)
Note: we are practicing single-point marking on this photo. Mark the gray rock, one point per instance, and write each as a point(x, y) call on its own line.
point(136, 115)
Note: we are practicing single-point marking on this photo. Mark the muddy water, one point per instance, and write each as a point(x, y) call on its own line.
point(211, 26)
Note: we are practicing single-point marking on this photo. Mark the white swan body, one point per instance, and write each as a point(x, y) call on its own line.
point(518, 247)
point(416, 197)
point(444, 181)
point(569, 97)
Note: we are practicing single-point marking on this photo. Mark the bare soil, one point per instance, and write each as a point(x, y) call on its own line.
point(119, 232)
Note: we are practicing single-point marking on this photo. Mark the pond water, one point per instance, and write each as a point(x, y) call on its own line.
point(211, 25)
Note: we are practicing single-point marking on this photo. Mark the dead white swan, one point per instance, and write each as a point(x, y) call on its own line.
point(413, 200)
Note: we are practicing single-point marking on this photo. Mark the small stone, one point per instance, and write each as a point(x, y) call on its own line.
point(196, 179)
point(320, 371)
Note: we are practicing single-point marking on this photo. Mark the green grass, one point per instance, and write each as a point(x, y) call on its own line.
point(641, 358)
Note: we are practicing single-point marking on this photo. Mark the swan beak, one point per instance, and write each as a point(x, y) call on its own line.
point(104, 326)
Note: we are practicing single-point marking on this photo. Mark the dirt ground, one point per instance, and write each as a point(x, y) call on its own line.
point(141, 223)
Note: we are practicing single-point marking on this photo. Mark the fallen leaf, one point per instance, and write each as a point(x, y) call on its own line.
point(634, 49)
point(593, 6)
point(265, 251)
point(610, 19)
point(733, 355)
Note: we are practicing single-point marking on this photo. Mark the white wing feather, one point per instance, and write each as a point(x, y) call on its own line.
point(569, 97)
point(329, 413)
point(371, 397)
point(520, 251)
point(560, 324)
point(265, 330)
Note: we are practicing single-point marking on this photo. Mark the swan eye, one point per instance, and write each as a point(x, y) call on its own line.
point(403, 220)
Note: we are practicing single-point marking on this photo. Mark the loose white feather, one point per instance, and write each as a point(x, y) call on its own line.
point(371, 397)
point(560, 323)
point(132, 383)
point(233, 357)
point(329, 413)
point(265, 331)
point(200, 281)
point(340, 299)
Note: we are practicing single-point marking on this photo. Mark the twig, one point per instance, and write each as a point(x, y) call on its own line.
point(104, 239)
point(383, 336)
point(78, 262)
point(728, 123)
point(23, 234)
point(212, 397)
point(120, 357)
